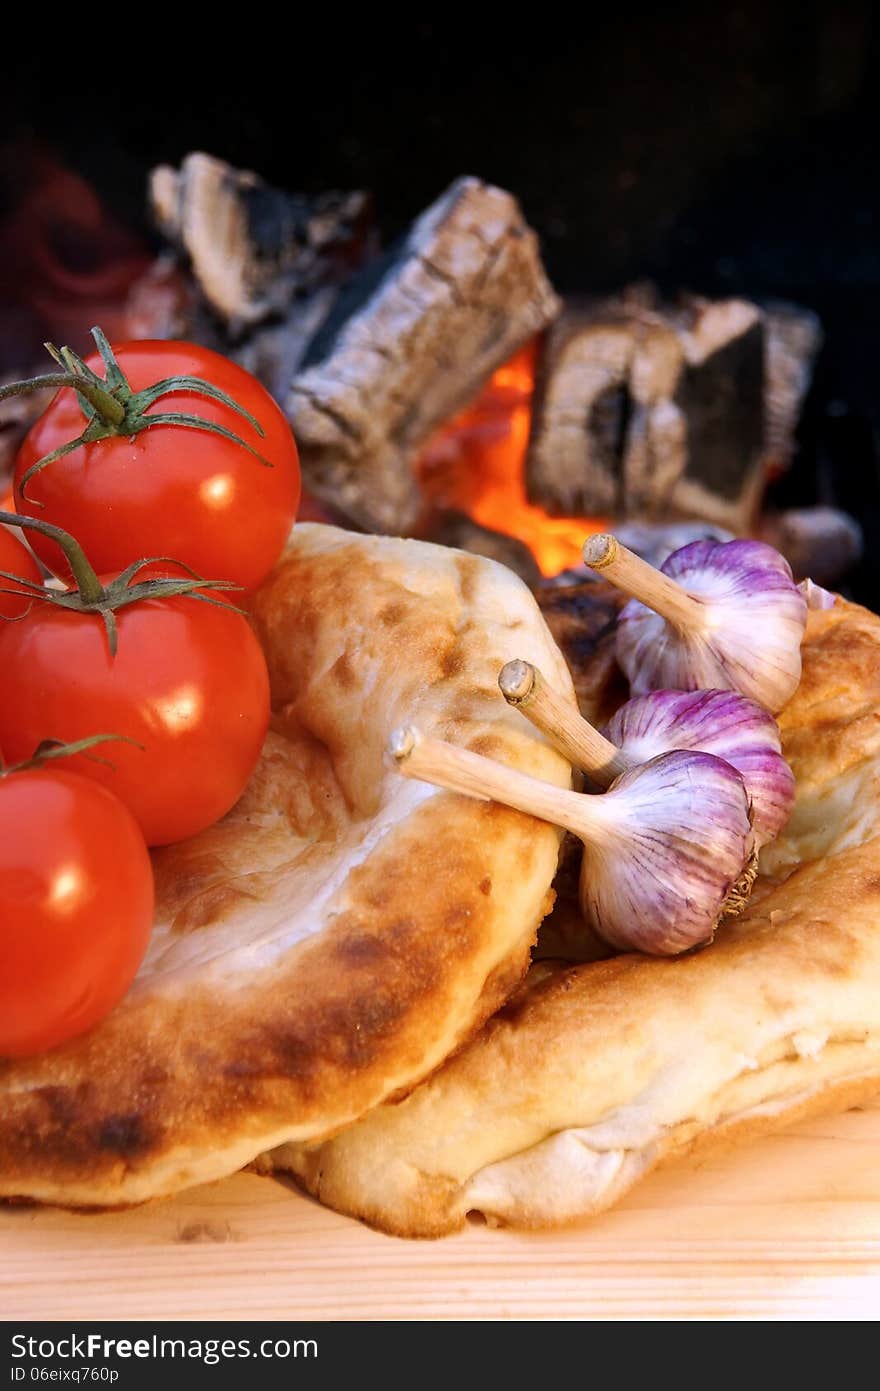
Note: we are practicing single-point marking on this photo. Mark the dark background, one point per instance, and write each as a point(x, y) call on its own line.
point(724, 149)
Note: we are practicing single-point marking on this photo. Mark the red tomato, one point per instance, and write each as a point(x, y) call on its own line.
point(171, 490)
point(15, 559)
point(188, 682)
point(76, 907)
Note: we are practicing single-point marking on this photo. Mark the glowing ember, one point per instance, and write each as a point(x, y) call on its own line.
point(475, 464)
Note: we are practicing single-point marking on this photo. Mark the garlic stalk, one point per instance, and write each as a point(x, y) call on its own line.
point(667, 851)
point(524, 687)
point(722, 723)
point(717, 615)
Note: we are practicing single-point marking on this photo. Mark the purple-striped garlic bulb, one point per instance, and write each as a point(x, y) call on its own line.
point(668, 849)
point(722, 723)
point(723, 615)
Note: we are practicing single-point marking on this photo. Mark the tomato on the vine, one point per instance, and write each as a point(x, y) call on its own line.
point(188, 683)
point(170, 489)
point(15, 559)
point(76, 906)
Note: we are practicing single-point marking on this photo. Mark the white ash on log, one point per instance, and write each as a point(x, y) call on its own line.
point(410, 341)
point(276, 351)
point(792, 339)
point(651, 411)
point(581, 400)
point(253, 248)
point(701, 417)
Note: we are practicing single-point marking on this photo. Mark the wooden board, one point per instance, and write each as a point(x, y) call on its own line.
point(786, 1228)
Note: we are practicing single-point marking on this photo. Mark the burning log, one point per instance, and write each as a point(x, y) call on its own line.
point(410, 341)
point(653, 411)
point(451, 528)
point(698, 391)
point(253, 248)
point(793, 337)
point(581, 400)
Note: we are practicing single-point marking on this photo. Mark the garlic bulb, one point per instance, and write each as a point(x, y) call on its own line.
point(674, 855)
point(717, 615)
point(722, 723)
point(668, 850)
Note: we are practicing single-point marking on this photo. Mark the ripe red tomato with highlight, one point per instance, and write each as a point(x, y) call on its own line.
point(76, 907)
point(170, 490)
point(15, 559)
point(189, 683)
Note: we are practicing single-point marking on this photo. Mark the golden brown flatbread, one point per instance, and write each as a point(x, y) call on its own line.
point(594, 1073)
point(343, 929)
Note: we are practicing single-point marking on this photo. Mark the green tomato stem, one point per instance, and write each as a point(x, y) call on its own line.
point(90, 596)
point(86, 580)
point(111, 411)
point(52, 749)
point(111, 407)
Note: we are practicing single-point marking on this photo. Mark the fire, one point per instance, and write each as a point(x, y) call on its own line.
point(476, 464)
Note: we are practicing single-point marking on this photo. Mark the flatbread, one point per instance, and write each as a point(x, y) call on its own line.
point(344, 929)
point(594, 1073)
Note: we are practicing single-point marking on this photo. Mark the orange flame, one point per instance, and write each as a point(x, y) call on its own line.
point(476, 464)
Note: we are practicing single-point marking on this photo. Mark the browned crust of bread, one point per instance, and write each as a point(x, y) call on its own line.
point(591, 1075)
point(236, 1035)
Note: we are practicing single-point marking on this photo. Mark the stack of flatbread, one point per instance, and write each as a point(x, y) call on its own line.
point(335, 981)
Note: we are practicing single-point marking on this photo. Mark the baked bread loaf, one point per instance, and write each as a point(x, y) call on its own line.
point(344, 929)
point(594, 1073)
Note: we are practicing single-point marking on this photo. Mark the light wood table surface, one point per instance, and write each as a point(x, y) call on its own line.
point(788, 1227)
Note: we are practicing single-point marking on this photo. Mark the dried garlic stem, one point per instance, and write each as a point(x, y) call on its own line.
point(663, 848)
point(524, 686)
point(636, 577)
point(459, 770)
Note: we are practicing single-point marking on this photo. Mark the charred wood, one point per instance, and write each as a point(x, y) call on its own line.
point(411, 340)
point(705, 427)
point(650, 410)
point(581, 400)
point(451, 528)
point(252, 248)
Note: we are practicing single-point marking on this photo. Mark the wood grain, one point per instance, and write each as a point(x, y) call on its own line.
point(787, 1228)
